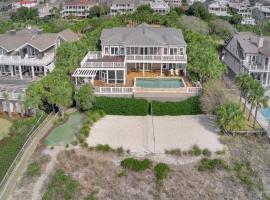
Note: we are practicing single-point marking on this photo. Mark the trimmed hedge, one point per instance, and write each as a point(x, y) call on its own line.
point(122, 106)
point(190, 106)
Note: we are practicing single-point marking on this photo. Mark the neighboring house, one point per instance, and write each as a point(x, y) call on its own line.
point(218, 8)
point(131, 52)
point(174, 3)
point(160, 7)
point(123, 6)
point(261, 12)
point(77, 8)
point(30, 52)
point(191, 2)
point(250, 53)
point(25, 3)
point(245, 11)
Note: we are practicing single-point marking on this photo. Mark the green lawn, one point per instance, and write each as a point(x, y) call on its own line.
point(65, 133)
point(4, 130)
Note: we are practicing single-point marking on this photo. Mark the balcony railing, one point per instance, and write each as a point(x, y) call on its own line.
point(113, 90)
point(255, 66)
point(156, 58)
point(17, 60)
point(104, 65)
point(6, 95)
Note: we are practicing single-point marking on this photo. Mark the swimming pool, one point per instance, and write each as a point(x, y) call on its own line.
point(265, 113)
point(159, 83)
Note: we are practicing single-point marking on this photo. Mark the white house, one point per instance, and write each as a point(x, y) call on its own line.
point(77, 8)
point(218, 8)
point(160, 7)
point(262, 12)
point(25, 3)
point(123, 6)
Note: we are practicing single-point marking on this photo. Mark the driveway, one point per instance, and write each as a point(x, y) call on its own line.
point(149, 134)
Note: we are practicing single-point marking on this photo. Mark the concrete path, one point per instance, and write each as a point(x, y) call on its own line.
point(149, 134)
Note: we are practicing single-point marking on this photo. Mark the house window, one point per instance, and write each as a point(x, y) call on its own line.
point(114, 51)
point(106, 50)
point(181, 51)
point(165, 51)
point(122, 51)
point(173, 51)
point(2, 51)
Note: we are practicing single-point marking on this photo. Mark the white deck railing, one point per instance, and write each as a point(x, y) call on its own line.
point(194, 90)
point(17, 60)
point(255, 67)
point(156, 57)
point(104, 65)
point(12, 95)
point(114, 90)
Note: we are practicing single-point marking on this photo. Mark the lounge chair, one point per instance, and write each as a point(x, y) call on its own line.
point(171, 72)
point(176, 71)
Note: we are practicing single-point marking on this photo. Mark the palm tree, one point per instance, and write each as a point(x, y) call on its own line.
point(244, 82)
point(230, 117)
point(255, 89)
point(259, 101)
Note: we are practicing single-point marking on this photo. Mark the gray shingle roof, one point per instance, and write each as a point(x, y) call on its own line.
point(69, 35)
point(41, 41)
point(142, 35)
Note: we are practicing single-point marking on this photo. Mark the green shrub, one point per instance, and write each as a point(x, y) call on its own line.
point(120, 174)
point(120, 150)
point(176, 152)
point(220, 152)
point(103, 148)
point(136, 165)
point(247, 175)
point(207, 164)
point(33, 170)
point(61, 186)
point(18, 134)
point(122, 106)
point(161, 171)
point(90, 196)
point(206, 153)
point(196, 150)
point(190, 106)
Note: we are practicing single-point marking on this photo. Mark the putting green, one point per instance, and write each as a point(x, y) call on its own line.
point(65, 133)
point(4, 127)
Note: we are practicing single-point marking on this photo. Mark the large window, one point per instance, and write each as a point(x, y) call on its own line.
point(106, 50)
point(173, 51)
point(114, 51)
point(181, 51)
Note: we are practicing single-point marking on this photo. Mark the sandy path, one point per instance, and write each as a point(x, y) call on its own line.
point(36, 193)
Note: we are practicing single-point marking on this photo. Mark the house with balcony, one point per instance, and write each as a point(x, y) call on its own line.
point(160, 7)
point(30, 52)
point(262, 12)
point(219, 8)
point(245, 11)
point(123, 6)
point(77, 8)
point(131, 53)
point(247, 52)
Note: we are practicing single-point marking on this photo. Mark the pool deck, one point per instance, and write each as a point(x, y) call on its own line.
point(132, 75)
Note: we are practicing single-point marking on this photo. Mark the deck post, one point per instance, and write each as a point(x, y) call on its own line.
point(45, 71)
point(11, 70)
point(107, 76)
point(33, 72)
point(161, 69)
point(76, 80)
point(124, 75)
point(143, 70)
point(20, 72)
point(115, 76)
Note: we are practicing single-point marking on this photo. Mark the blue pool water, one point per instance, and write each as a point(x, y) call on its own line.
point(265, 113)
point(159, 83)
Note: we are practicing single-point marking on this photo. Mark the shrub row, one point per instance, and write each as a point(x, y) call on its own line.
point(136, 165)
point(207, 164)
point(190, 106)
point(122, 106)
point(140, 107)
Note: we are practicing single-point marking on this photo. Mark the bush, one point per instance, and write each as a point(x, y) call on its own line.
point(161, 171)
point(122, 106)
point(33, 170)
point(207, 164)
point(136, 165)
point(120, 150)
point(190, 106)
point(61, 186)
point(220, 152)
point(196, 150)
point(103, 148)
point(176, 152)
point(194, 24)
point(206, 153)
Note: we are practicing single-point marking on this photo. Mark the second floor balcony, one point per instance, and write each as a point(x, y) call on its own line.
point(26, 61)
point(156, 58)
point(256, 67)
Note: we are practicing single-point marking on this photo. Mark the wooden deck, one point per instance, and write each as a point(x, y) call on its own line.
point(132, 75)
